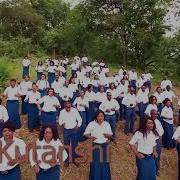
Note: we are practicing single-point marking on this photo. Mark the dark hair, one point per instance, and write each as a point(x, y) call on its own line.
point(166, 100)
point(53, 129)
point(43, 75)
point(89, 86)
point(40, 63)
point(0, 101)
point(13, 80)
point(151, 99)
point(97, 113)
point(143, 129)
point(52, 90)
point(9, 125)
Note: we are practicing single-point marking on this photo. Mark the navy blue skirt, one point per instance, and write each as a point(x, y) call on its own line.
point(25, 71)
point(24, 106)
point(52, 173)
point(13, 112)
point(167, 140)
point(91, 112)
point(33, 116)
point(146, 168)
point(51, 78)
point(1, 128)
point(48, 117)
point(14, 174)
point(100, 170)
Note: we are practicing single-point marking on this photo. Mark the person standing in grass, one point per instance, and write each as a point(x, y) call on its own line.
point(143, 145)
point(26, 64)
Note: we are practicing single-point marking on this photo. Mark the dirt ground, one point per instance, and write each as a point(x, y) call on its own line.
point(122, 161)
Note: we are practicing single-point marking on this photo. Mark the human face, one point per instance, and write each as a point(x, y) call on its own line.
point(68, 107)
point(82, 93)
point(48, 134)
point(109, 96)
point(154, 100)
point(102, 89)
point(149, 124)
point(12, 83)
point(7, 134)
point(168, 104)
point(154, 115)
point(26, 78)
point(159, 90)
point(43, 77)
point(100, 118)
point(51, 92)
point(34, 87)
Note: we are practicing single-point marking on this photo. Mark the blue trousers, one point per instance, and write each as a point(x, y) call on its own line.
point(158, 150)
point(13, 112)
point(48, 117)
point(129, 116)
point(14, 174)
point(33, 116)
point(91, 112)
point(122, 108)
point(43, 92)
point(111, 119)
point(24, 107)
point(146, 168)
point(1, 129)
point(142, 107)
point(52, 173)
point(100, 170)
point(39, 74)
point(25, 71)
point(82, 127)
point(51, 78)
point(167, 140)
point(70, 137)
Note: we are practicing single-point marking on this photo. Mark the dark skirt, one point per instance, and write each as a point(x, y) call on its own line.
point(52, 173)
point(48, 117)
point(167, 140)
point(24, 106)
point(146, 168)
point(1, 128)
point(91, 112)
point(25, 71)
point(13, 112)
point(100, 169)
point(33, 116)
point(51, 78)
point(14, 174)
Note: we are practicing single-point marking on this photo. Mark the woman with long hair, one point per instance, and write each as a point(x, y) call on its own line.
point(143, 145)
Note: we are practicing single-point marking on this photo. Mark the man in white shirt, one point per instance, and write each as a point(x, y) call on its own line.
point(129, 101)
point(166, 82)
point(110, 106)
point(160, 130)
point(133, 78)
point(142, 100)
point(71, 120)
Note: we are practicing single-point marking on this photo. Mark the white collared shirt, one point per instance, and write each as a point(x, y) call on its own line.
point(159, 127)
point(26, 62)
point(145, 144)
point(52, 69)
point(114, 93)
point(108, 105)
point(12, 92)
point(42, 84)
point(56, 144)
point(73, 87)
point(140, 82)
point(61, 69)
point(176, 135)
point(25, 86)
point(66, 93)
point(100, 97)
point(40, 68)
point(11, 151)
point(80, 103)
point(91, 96)
point(142, 97)
point(166, 83)
point(70, 119)
point(167, 112)
point(129, 100)
point(56, 85)
point(33, 97)
point(98, 130)
point(122, 90)
point(147, 76)
point(169, 94)
point(159, 97)
point(149, 108)
point(132, 75)
point(49, 103)
point(3, 113)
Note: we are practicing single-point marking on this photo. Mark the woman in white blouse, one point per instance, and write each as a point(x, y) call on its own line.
point(3, 117)
point(39, 69)
point(51, 72)
point(49, 108)
point(143, 145)
point(167, 123)
point(49, 169)
point(99, 131)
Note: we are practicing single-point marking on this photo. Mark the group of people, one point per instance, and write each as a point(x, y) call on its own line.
point(88, 105)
